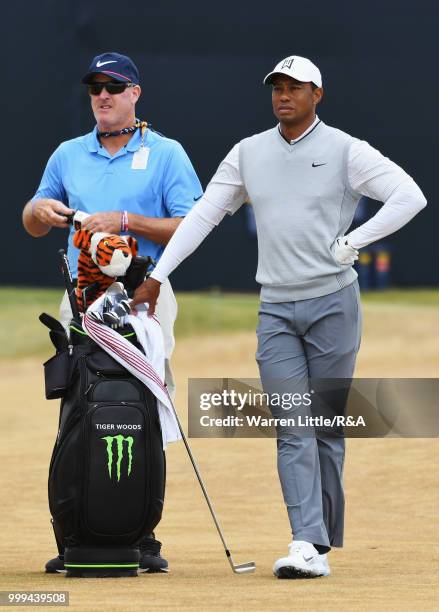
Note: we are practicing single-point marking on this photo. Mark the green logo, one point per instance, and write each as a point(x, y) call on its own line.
point(120, 439)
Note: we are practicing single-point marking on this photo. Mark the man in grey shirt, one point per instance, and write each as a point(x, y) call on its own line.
point(304, 180)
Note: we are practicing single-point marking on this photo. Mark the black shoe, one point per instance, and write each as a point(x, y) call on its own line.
point(150, 559)
point(56, 566)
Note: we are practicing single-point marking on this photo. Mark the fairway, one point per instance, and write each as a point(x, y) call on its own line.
point(391, 555)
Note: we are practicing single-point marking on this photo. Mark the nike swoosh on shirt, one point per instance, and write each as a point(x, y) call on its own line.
point(314, 165)
point(99, 63)
point(195, 199)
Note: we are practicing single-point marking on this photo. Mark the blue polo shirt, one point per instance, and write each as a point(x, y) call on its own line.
point(83, 175)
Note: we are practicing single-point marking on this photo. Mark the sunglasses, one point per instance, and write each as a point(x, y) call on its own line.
point(112, 87)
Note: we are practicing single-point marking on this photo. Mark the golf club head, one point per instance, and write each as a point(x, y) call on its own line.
point(108, 304)
point(89, 294)
point(111, 318)
point(241, 568)
point(116, 315)
point(244, 568)
point(96, 316)
point(116, 292)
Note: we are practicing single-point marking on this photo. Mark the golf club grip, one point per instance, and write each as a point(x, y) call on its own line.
point(70, 288)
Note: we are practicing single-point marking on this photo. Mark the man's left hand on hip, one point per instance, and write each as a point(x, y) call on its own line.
point(343, 252)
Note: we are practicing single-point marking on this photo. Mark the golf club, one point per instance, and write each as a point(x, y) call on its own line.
point(70, 287)
point(242, 568)
point(88, 293)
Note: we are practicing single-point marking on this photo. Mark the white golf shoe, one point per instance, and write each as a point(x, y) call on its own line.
point(303, 561)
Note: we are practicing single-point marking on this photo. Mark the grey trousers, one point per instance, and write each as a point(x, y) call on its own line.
point(315, 338)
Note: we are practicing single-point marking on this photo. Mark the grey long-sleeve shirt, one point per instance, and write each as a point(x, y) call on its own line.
point(368, 172)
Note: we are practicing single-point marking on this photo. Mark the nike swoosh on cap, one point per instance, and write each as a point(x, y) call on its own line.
point(99, 63)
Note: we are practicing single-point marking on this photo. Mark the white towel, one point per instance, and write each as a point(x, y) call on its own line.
point(149, 368)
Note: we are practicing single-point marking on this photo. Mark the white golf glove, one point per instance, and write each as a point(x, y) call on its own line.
point(343, 252)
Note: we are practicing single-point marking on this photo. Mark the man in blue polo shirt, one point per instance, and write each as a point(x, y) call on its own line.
point(129, 179)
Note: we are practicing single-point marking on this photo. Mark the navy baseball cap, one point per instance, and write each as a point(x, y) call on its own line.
point(118, 67)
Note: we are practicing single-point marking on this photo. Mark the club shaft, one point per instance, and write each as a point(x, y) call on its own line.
point(200, 480)
point(69, 285)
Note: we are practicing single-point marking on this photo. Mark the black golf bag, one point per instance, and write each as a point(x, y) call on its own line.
point(107, 472)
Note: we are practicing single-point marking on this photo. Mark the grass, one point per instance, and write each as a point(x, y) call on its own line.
point(22, 335)
point(409, 297)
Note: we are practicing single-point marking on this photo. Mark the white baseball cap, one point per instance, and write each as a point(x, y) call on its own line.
point(298, 68)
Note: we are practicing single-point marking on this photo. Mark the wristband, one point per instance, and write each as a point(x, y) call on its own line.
point(124, 221)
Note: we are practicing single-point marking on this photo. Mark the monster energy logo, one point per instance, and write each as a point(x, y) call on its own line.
point(120, 439)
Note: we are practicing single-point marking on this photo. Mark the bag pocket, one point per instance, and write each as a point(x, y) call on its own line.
point(117, 469)
point(100, 362)
point(57, 373)
point(115, 390)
